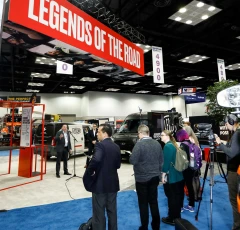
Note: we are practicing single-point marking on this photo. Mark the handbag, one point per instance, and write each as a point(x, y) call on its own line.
point(89, 181)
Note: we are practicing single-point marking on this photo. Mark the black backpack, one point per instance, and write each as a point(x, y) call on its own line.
point(86, 226)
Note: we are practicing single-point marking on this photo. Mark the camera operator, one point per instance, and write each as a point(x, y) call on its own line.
point(232, 150)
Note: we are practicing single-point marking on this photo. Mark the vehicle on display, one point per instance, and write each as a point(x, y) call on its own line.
point(157, 121)
point(78, 130)
point(6, 130)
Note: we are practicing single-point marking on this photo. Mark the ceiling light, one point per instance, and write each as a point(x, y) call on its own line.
point(193, 12)
point(40, 75)
point(164, 86)
point(146, 50)
point(32, 91)
point(138, 44)
point(200, 4)
point(90, 79)
point(46, 61)
point(233, 66)
point(192, 78)
point(178, 19)
point(112, 89)
point(182, 10)
point(35, 84)
point(147, 46)
point(65, 91)
point(211, 8)
point(144, 46)
point(194, 58)
point(76, 87)
point(142, 91)
point(204, 17)
point(130, 83)
point(169, 94)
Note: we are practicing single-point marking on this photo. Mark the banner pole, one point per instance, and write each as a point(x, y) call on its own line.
point(2, 12)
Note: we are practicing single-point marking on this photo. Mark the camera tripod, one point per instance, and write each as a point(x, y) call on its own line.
point(210, 165)
point(74, 159)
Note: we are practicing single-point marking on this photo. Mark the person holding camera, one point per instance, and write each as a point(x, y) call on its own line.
point(232, 150)
point(147, 160)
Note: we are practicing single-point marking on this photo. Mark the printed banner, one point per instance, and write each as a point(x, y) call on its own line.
point(64, 68)
point(2, 4)
point(157, 60)
point(67, 23)
point(221, 70)
point(26, 127)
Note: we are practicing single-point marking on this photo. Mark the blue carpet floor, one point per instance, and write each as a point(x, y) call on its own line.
point(69, 215)
point(15, 152)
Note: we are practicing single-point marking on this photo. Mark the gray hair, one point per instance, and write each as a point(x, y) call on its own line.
point(143, 129)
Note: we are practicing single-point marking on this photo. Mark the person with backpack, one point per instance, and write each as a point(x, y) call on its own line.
point(172, 179)
point(195, 162)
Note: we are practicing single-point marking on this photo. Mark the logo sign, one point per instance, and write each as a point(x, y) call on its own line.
point(67, 23)
point(199, 97)
point(229, 97)
point(157, 60)
point(186, 90)
point(64, 68)
point(23, 99)
point(221, 70)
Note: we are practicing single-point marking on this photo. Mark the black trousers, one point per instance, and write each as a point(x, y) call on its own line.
point(188, 175)
point(148, 195)
point(62, 155)
point(175, 194)
point(100, 203)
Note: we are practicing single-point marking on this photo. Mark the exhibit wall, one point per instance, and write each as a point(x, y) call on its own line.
point(97, 103)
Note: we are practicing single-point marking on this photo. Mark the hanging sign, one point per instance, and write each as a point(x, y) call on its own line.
point(26, 127)
point(221, 70)
point(157, 60)
point(63, 21)
point(64, 68)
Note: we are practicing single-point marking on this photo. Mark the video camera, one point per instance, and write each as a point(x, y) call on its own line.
point(204, 130)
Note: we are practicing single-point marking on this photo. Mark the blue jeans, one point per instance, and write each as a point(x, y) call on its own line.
point(148, 195)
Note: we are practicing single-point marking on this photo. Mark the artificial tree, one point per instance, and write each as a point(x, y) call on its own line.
point(213, 109)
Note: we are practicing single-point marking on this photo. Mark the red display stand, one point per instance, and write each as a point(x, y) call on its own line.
point(27, 159)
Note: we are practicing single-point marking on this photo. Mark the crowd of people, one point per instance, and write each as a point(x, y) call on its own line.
point(153, 164)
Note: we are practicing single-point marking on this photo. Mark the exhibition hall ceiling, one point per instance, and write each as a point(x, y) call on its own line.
point(192, 34)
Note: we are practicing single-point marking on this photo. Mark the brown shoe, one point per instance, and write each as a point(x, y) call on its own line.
point(85, 166)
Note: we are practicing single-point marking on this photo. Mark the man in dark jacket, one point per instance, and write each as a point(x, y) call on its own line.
point(104, 163)
point(147, 160)
point(63, 146)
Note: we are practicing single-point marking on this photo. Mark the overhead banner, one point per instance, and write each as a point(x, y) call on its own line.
point(64, 68)
point(157, 60)
point(221, 70)
point(199, 97)
point(67, 23)
point(187, 90)
point(26, 127)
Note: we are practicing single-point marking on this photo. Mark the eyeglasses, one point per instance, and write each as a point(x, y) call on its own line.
point(162, 135)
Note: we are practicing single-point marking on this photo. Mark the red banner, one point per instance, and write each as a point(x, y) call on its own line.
point(63, 21)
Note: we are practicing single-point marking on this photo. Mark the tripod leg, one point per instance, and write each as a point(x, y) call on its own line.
point(222, 171)
point(204, 179)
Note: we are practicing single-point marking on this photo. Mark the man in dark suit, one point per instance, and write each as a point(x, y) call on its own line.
point(63, 146)
point(92, 140)
point(104, 164)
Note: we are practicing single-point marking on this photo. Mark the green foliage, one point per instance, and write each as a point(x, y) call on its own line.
point(214, 110)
